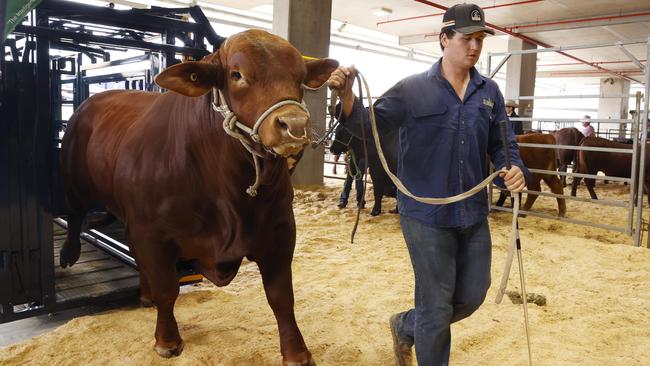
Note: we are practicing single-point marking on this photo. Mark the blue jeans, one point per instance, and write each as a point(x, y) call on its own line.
point(452, 276)
point(358, 182)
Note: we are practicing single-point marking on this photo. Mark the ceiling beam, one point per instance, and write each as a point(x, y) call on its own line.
point(538, 43)
point(418, 38)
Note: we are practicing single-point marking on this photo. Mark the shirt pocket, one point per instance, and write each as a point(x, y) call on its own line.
point(433, 114)
point(432, 126)
point(486, 113)
point(485, 117)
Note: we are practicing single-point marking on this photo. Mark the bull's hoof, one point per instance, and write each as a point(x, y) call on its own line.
point(562, 214)
point(169, 352)
point(68, 255)
point(302, 359)
point(375, 212)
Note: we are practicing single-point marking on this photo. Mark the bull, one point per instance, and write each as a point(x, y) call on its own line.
point(615, 164)
point(174, 167)
point(543, 159)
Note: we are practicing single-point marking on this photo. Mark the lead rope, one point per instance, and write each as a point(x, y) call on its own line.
point(514, 236)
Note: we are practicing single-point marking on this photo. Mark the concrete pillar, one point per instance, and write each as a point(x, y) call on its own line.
point(616, 108)
point(520, 77)
point(306, 24)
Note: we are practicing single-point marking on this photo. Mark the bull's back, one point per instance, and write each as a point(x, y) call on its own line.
point(535, 157)
point(93, 138)
point(613, 164)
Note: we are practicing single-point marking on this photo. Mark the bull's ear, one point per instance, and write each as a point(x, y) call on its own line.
point(318, 71)
point(192, 79)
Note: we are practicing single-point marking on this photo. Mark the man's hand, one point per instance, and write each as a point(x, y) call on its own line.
point(342, 80)
point(514, 179)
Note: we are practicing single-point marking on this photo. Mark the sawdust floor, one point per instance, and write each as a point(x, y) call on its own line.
point(595, 282)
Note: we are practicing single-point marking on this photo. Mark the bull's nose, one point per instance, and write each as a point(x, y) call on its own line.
point(294, 127)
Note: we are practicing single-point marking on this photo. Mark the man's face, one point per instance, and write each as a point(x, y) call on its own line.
point(509, 110)
point(463, 49)
point(585, 124)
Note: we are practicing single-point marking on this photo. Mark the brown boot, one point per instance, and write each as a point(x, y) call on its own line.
point(401, 347)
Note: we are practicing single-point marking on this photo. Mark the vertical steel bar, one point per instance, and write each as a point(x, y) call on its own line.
point(489, 64)
point(644, 130)
point(635, 157)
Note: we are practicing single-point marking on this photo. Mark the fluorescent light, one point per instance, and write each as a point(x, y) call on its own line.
point(380, 12)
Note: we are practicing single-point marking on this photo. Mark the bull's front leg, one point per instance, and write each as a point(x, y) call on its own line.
point(157, 262)
point(276, 275)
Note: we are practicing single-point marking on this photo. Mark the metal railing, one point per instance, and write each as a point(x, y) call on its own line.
point(634, 204)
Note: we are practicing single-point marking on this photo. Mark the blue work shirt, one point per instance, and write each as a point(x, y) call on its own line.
point(443, 142)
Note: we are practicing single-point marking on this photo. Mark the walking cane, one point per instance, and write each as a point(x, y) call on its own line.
point(515, 238)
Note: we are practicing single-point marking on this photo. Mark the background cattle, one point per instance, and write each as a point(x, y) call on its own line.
point(567, 136)
point(611, 164)
point(539, 158)
point(169, 168)
point(382, 185)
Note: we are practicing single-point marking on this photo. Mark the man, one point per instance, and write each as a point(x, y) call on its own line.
point(448, 122)
point(587, 129)
point(517, 126)
point(345, 143)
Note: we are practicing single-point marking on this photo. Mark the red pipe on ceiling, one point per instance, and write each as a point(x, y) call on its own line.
point(579, 63)
point(538, 43)
point(516, 27)
point(590, 72)
point(438, 14)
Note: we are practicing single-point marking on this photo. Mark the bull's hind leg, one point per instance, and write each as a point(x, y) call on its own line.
point(590, 183)
point(276, 275)
point(69, 253)
point(378, 194)
point(556, 187)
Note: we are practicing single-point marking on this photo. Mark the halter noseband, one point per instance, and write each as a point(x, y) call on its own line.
point(231, 124)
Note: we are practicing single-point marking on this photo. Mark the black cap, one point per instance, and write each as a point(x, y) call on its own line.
point(465, 18)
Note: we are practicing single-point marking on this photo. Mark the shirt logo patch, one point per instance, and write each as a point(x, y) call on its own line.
point(488, 102)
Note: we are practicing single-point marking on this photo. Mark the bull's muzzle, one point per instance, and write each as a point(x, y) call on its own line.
point(293, 128)
point(294, 133)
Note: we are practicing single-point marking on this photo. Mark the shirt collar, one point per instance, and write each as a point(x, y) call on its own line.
point(434, 72)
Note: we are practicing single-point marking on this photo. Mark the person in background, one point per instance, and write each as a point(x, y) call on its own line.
point(448, 123)
point(345, 143)
point(517, 126)
point(587, 129)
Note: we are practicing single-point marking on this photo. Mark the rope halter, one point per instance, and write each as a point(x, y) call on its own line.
point(231, 126)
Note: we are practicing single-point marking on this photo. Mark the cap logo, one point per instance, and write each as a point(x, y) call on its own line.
point(476, 15)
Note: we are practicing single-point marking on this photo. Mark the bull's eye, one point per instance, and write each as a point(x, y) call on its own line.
point(236, 75)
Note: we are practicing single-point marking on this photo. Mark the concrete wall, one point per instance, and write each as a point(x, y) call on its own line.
point(520, 77)
point(306, 24)
point(616, 108)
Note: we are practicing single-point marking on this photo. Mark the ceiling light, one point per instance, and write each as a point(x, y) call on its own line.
point(380, 12)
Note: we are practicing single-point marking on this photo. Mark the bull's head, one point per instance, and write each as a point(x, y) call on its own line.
point(255, 70)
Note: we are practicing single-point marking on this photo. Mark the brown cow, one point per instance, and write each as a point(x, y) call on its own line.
point(611, 163)
point(567, 136)
point(166, 166)
point(539, 158)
